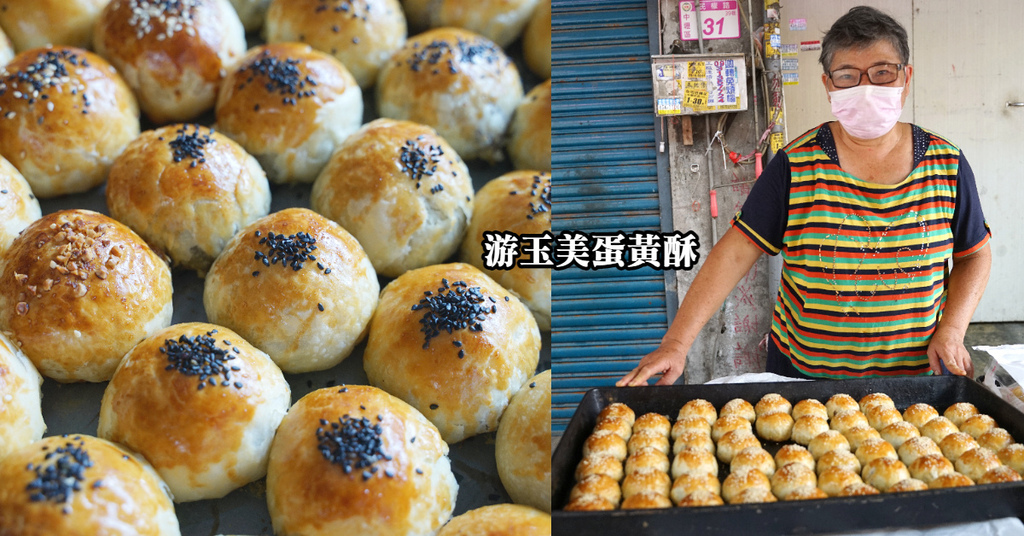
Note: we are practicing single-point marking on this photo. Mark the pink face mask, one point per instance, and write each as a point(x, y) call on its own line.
point(867, 111)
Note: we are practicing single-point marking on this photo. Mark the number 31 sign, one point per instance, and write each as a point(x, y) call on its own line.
point(719, 20)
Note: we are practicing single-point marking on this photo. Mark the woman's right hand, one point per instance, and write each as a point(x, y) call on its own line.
point(669, 360)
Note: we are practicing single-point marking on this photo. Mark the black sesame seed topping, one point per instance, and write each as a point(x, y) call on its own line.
point(200, 356)
point(320, 306)
point(473, 51)
point(61, 474)
point(291, 251)
point(544, 205)
point(187, 145)
point(3, 191)
point(533, 384)
point(352, 443)
point(281, 76)
point(453, 307)
point(433, 406)
point(420, 162)
point(419, 471)
point(51, 69)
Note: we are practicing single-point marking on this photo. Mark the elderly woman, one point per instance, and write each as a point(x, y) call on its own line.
point(867, 213)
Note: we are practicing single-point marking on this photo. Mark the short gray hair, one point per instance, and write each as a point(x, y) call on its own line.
point(860, 27)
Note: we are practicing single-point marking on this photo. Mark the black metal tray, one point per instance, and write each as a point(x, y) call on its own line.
point(912, 509)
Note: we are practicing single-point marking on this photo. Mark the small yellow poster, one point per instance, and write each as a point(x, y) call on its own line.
point(696, 94)
point(696, 69)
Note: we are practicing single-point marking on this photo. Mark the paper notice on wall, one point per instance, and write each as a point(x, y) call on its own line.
point(790, 64)
point(670, 106)
point(696, 95)
point(797, 25)
point(810, 45)
point(790, 79)
point(789, 49)
point(777, 141)
point(696, 69)
point(666, 72)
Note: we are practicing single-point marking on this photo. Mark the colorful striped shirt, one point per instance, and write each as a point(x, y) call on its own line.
point(864, 265)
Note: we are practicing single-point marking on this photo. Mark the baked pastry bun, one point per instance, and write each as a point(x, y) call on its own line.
point(688, 484)
point(775, 426)
point(728, 423)
point(827, 441)
point(873, 449)
point(200, 404)
point(186, 190)
point(251, 13)
point(455, 345)
point(843, 459)
point(499, 520)
point(174, 55)
point(700, 498)
point(599, 465)
point(859, 490)
point(82, 485)
point(880, 415)
point(501, 21)
point(977, 425)
point(589, 503)
point(690, 424)
point(1013, 456)
point(605, 444)
point(18, 206)
point(537, 40)
point(523, 444)
point(289, 106)
point(915, 447)
point(529, 142)
point(809, 406)
point(839, 403)
point(517, 202)
point(740, 407)
point(753, 458)
point(960, 412)
point(791, 477)
point(362, 34)
point(691, 460)
point(794, 454)
point(337, 468)
point(908, 484)
point(597, 485)
point(859, 434)
point(641, 501)
point(883, 473)
point(834, 479)
point(805, 493)
point(699, 407)
point(875, 399)
point(619, 427)
point(955, 445)
point(697, 440)
point(48, 117)
point(899, 432)
point(21, 419)
point(976, 462)
point(737, 483)
point(617, 410)
point(653, 423)
point(995, 439)
point(78, 290)
point(734, 442)
point(919, 414)
point(401, 190)
point(999, 474)
point(647, 439)
point(45, 22)
point(807, 427)
point(950, 480)
point(754, 495)
point(772, 403)
point(457, 82)
point(646, 482)
point(846, 420)
point(647, 460)
point(929, 467)
point(295, 285)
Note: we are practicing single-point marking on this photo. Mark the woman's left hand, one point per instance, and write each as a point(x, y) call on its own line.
point(949, 349)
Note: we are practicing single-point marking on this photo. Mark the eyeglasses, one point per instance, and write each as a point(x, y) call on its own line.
point(884, 73)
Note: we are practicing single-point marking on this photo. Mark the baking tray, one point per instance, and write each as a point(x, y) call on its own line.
point(912, 509)
point(74, 408)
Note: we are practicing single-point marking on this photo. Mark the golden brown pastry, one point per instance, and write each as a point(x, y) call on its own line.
point(336, 468)
point(834, 479)
point(619, 427)
point(21, 416)
point(915, 447)
point(929, 467)
point(691, 483)
point(522, 447)
point(18, 206)
point(754, 495)
point(501, 21)
point(995, 439)
point(794, 454)
point(462, 379)
point(728, 423)
point(646, 460)
point(950, 480)
point(883, 473)
point(977, 425)
point(843, 459)
point(692, 460)
point(646, 482)
point(642, 501)
point(537, 40)
point(881, 415)
point(899, 432)
point(858, 490)
point(734, 442)
point(859, 434)
point(791, 477)
point(976, 462)
point(605, 444)
point(289, 106)
point(698, 407)
point(772, 403)
point(753, 458)
point(955, 445)
point(647, 439)
point(740, 407)
point(174, 55)
point(775, 426)
point(737, 483)
point(1013, 456)
point(873, 449)
point(529, 143)
point(919, 414)
point(38, 23)
point(199, 403)
point(295, 285)
point(938, 428)
point(589, 503)
point(499, 520)
point(53, 103)
point(909, 484)
point(809, 406)
point(690, 424)
point(698, 440)
point(846, 420)
point(999, 474)
point(251, 13)
point(653, 423)
point(805, 493)
point(457, 82)
point(827, 441)
point(839, 403)
point(617, 410)
point(401, 190)
point(699, 498)
point(807, 427)
point(599, 465)
point(517, 202)
point(187, 190)
point(82, 485)
point(600, 485)
point(78, 290)
point(960, 412)
point(362, 34)
point(875, 399)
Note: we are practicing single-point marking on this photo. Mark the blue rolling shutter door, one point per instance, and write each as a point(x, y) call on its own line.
point(605, 179)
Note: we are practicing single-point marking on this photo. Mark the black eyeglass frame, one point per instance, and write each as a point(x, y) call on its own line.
point(898, 67)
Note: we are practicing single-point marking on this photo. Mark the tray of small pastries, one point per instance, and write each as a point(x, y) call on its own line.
point(788, 458)
point(242, 287)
